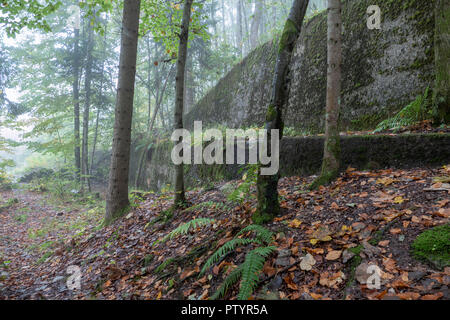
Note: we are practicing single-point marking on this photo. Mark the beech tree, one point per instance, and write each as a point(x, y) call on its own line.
point(332, 148)
point(180, 198)
point(267, 186)
point(441, 95)
point(117, 195)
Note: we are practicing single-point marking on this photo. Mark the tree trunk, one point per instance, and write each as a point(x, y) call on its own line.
point(94, 143)
point(87, 83)
point(267, 185)
point(332, 147)
point(240, 31)
point(117, 196)
point(254, 29)
point(441, 94)
point(180, 198)
point(76, 103)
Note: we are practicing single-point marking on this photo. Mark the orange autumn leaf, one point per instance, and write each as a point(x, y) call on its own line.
point(436, 296)
point(408, 295)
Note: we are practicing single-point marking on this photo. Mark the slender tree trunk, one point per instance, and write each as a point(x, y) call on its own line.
point(267, 185)
point(87, 102)
point(94, 143)
point(240, 32)
point(441, 94)
point(117, 196)
point(247, 38)
point(332, 148)
point(224, 29)
point(254, 29)
point(180, 198)
point(76, 100)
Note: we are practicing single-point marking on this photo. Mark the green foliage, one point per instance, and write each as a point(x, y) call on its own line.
point(253, 264)
point(60, 183)
point(164, 265)
point(232, 278)
point(251, 268)
point(44, 257)
point(433, 245)
point(5, 181)
point(261, 233)
point(242, 192)
point(418, 110)
point(226, 249)
point(21, 218)
point(163, 19)
point(186, 227)
point(18, 14)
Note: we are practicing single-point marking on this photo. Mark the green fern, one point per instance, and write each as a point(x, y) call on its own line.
point(241, 193)
point(232, 278)
point(261, 233)
point(416, 111)
point(164, 265)
point(251, 268)
point(225, 249)
point(184, 228)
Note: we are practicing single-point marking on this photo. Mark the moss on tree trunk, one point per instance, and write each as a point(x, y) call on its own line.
point(268, 206)
point(441, 95)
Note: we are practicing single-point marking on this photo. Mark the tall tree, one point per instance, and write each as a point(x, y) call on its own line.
point(267, 185)
point(256, 23)
point(117, 195)
point(180, 198)
point(240, 36)
point(87, 103)
point(441, 94)
point(332, 147)
point(76, 100)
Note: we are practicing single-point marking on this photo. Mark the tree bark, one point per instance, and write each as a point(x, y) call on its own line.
point(180, 198)
point(332, 148)
point(117, 196)
point(267, 186)
point(240, 32)
point(76, 102)
point(87, 87)
point(94, 143)
point(441, 94)
point(254, 29)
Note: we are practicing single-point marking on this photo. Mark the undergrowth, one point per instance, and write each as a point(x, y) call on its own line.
point(418, 110)
point(248, 272)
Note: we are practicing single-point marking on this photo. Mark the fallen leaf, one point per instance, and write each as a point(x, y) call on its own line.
point(408, 295)
point(333, 255)
point(295, 223)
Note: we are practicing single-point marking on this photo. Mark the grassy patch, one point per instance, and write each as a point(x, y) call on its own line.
point(433, 246)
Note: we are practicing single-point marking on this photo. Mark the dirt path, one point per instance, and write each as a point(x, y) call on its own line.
point(32, 227)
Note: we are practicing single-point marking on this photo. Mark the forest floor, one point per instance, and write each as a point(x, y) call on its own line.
point(368, 217)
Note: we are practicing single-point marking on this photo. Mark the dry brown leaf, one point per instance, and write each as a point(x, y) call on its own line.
point(333, 255)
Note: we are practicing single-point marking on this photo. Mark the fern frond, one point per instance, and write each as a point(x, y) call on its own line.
point(226, 248)
point(251, 268)
point(261, 233)
point(414, 112)
point(164, 265)
point(184, 228)
point(232, 278)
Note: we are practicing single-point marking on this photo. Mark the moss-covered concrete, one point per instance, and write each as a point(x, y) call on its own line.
point(303, 156)
point(383, 70)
